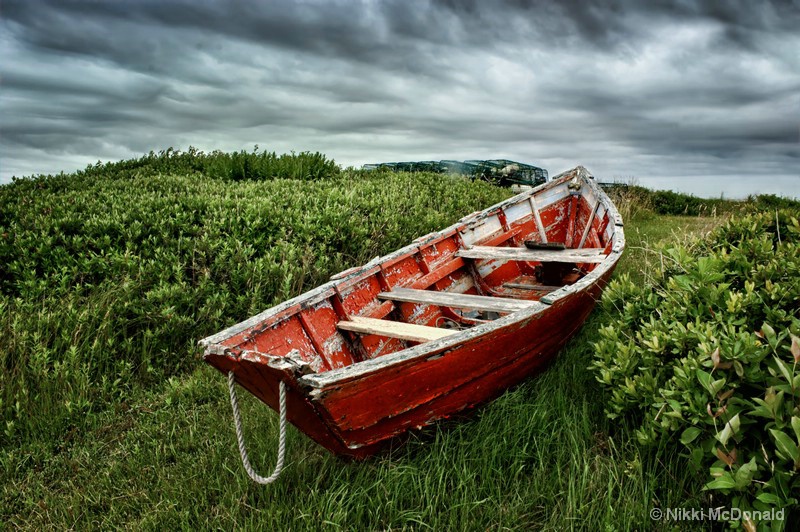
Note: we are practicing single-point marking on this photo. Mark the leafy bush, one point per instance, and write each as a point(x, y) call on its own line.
point(242, 165)
point(708, 355)
point(668, 202)
point(636, 202)
point(771, 201)
point(108, 277)
point(235, 166)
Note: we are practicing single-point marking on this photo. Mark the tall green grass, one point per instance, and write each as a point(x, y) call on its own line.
point(541, 456)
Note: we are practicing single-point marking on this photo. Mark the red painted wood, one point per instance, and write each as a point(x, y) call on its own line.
point(480, 390)
point(320, 324)
point(262, 382)
point(419, 314)
point(601, 231)
point(438, 274)
point(404, 387)
point(527, 231)
point(500, 238)
point(503, 271)
point(357, 298)
point(554, 219)
point(501, 216)
point(316, 341)
point(360, 299)
point(436, 254)
point(419, 393)
point(358, 415)
point(402, 271)
point(245, 335)
point(380, 311)
point(281, 339)
point(573, 214)
point(378, 345)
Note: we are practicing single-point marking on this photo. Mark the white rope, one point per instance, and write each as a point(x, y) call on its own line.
point(240, 434)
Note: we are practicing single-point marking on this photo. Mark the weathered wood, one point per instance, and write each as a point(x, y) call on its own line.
point(394, 329)
point(573, 214)
point(536, 287)
point(507, 234)
point(538, 218)
point(532, 244)
point(586, 255)
point(450, 299)
point(362, 401)
point(439, 273)
point(588, 225)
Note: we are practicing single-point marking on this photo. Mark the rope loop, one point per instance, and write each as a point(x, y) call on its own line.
point(240, 434)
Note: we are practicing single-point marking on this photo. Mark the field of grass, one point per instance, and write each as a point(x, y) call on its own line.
point(110, 420)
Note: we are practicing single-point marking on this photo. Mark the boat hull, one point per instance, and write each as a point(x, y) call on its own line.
point(356, 408)
point(358, 417)
point(387, 403)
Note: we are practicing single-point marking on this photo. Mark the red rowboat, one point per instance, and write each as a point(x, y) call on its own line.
point(441, 325)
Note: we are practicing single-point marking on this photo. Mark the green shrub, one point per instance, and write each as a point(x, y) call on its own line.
point(108, 277)
point(242, 165)
point(235, 166)
point(636, 202)
point(668, 202)
point(771, 201)
point(708, 355)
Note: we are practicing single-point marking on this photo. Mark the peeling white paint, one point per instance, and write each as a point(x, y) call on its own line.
point(333, 344)
point(487, 228)
point(517, 212)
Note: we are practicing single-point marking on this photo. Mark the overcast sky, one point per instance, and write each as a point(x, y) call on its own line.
point(702, 97)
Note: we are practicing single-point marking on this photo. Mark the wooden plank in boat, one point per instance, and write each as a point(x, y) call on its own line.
point(528, 286)
point(450, 299)
point(394, 329)
point(589, 225)
point(586, 255)
point(439, 273)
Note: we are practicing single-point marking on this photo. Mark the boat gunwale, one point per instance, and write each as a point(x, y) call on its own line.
point(322, 292)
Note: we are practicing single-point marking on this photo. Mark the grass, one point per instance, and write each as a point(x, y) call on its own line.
point(141, 444)
point(542, 455)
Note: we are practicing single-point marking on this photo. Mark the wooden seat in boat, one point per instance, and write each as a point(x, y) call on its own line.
point(531, 286)
point(454, 300)
point(394, 329)
point(582, 255)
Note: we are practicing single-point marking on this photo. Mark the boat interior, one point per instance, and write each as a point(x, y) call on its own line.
point(488, 265)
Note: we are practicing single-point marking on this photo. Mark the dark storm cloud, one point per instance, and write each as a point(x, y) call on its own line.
point(161, 31)
point(612, 23)
point(626, 87)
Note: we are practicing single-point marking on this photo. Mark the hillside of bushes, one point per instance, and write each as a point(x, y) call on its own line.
point(110, 276)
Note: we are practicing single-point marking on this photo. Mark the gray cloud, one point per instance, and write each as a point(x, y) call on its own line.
point(656, 90)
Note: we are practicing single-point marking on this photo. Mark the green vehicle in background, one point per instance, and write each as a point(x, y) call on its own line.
point(501, 172)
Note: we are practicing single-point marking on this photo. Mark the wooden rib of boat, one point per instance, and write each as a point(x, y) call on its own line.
point(439, 326)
